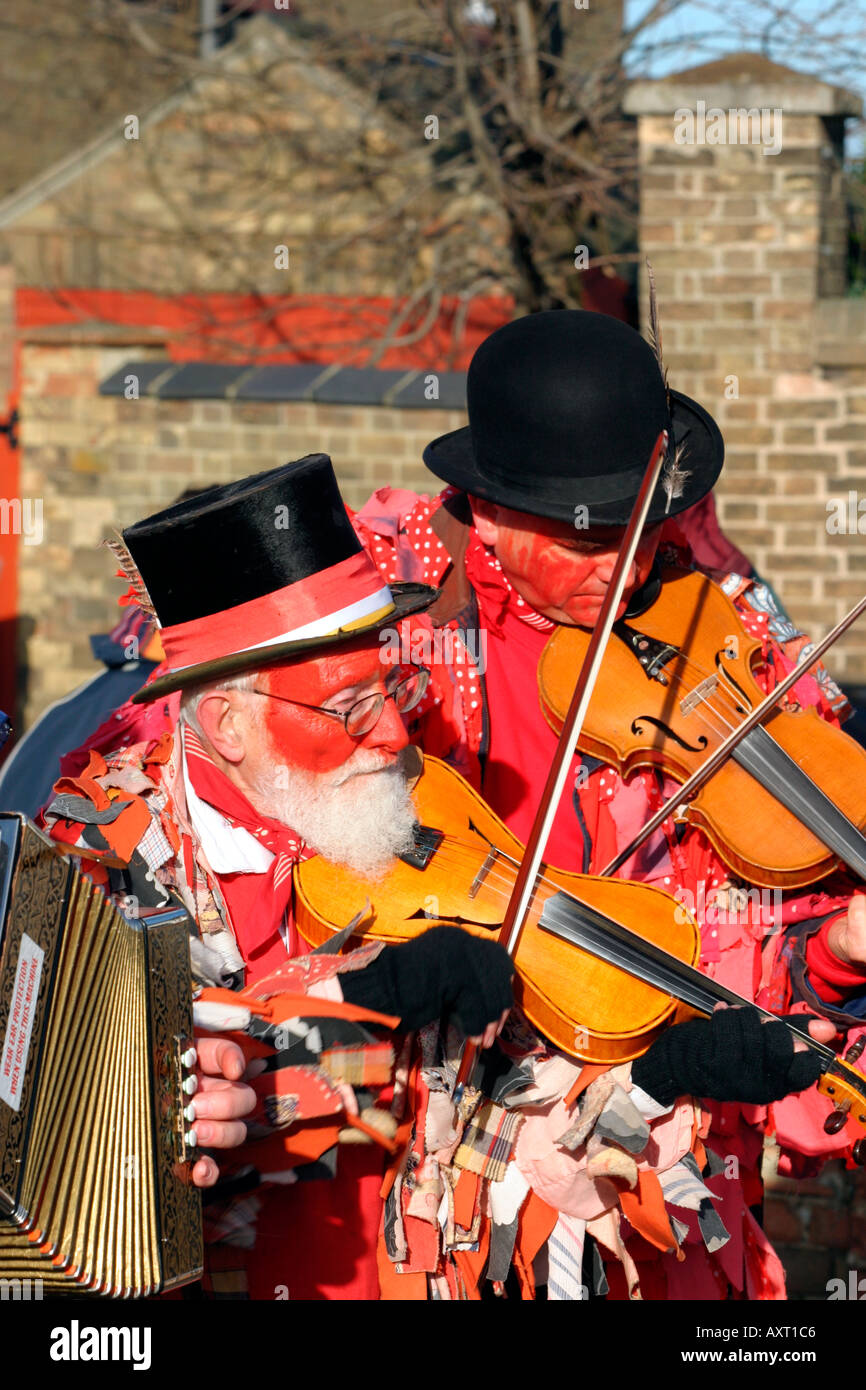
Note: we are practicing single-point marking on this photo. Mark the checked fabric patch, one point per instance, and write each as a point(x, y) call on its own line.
point(488, 1141)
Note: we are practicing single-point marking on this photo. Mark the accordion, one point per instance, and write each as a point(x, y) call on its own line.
point(95, 1030)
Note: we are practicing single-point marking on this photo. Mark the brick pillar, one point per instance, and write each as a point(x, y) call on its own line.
point(746, 248)
point(742, 240)
point(743, 220)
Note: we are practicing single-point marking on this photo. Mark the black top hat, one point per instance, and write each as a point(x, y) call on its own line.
point(253, 572)
point(564, 410)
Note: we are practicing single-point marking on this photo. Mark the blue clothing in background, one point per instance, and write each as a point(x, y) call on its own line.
point(33, 766)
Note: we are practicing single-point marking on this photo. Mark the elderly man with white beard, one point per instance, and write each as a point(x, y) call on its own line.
point(288, 741)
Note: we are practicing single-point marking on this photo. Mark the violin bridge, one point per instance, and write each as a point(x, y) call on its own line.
point(425, 842)
point(704, 691)
point(483, 872)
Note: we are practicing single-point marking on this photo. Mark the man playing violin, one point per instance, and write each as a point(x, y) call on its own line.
point(283, 736)
point(564, 410)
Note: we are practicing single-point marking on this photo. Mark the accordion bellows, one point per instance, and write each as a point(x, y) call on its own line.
point(95, 1017)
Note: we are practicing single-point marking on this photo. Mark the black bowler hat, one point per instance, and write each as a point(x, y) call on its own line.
point(564, 410)
point(257, 571)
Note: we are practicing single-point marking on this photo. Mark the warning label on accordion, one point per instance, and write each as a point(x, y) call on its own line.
point(22, 1008)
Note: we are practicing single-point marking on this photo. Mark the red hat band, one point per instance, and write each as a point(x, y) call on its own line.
point(315, 606)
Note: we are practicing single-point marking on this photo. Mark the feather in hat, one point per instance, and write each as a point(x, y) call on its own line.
point(673, 476)
point(129, 569)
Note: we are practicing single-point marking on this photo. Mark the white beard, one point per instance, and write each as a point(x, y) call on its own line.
point(361, 815)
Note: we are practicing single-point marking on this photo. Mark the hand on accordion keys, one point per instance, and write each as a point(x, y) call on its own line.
point(445, 970)
point(219, 1103)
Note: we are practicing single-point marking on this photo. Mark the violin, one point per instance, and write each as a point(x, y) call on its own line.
point(602, 966)
point(788, 807)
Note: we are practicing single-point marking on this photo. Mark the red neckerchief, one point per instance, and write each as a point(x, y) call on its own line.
point(257, 903)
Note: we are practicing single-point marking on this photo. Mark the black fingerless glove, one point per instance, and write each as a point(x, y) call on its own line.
point(731, 1056)
point(444, 971)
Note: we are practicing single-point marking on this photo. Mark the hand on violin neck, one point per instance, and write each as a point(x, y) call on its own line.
point(846, 936)
point(821, 1029)
point(445, 971)
point(733, 1056)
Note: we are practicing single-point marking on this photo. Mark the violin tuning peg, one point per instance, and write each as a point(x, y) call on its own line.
point(856, 1049)
point(836, 1120)
point(858, 1153)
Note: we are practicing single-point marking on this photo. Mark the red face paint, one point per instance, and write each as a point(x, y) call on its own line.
point(314, 741)
point(562, 572)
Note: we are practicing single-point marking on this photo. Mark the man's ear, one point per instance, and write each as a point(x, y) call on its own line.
point(486, 517)
point(221, 716)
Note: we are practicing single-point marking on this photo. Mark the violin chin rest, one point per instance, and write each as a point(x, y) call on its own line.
point(411, 761)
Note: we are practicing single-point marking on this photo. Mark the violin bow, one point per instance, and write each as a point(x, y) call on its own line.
point(524, 884)
point(703, 774)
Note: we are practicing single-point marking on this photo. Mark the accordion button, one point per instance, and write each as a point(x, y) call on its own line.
point(190, 1139)
point(189, 1112)
point(189, 1058)
point(190, 1086)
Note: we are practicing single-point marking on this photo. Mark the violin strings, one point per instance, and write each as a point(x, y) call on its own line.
point(721, 704)
point(720, 707)
point(716, 707)
point(452, 850)
point(456, 851)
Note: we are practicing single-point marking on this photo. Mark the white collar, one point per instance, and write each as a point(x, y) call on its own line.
point(229, 849)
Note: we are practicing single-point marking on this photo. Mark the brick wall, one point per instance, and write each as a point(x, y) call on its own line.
point(818, 1226)
point(100, 462)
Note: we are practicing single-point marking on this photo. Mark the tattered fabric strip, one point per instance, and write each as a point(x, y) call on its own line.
point(712, 1228)
point(505, 1200)
point(606, 1230)
point(565, 1261)
point(683, 1188)
point(394, 1231)
point(607, 1112)
point(365, 1065)
point(488, 1142)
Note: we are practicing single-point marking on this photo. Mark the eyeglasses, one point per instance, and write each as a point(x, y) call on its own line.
point(365, 714)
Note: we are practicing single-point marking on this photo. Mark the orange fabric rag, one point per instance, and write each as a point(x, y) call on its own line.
point(395, 1287)
point(534, 1225)
point(465, 1197)
point(588, 1072)
point(644, 1208)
